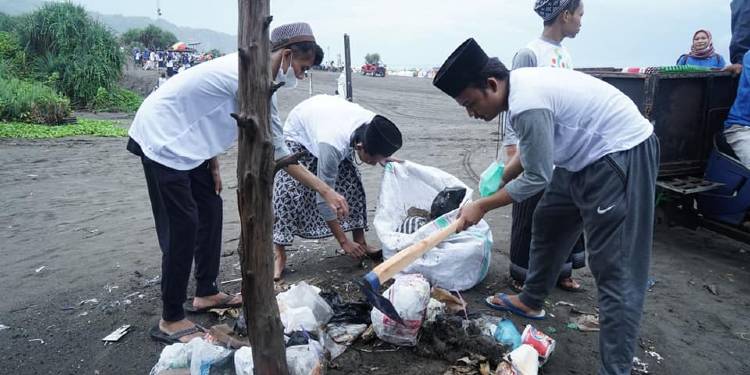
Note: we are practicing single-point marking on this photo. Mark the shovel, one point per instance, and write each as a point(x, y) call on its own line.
point(371, 282)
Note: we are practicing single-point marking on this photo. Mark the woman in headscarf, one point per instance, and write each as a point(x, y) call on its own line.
point(330, 134)
point(702, 52)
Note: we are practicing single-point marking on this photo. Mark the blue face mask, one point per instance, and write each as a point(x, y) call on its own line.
point(289, 78)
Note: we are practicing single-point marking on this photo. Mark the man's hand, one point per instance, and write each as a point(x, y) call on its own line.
point(735, 69)
point(214, 167)
point(354, 249)
point(337, 203)
point(471, 214)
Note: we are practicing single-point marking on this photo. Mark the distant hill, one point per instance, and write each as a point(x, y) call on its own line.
point(209, 39)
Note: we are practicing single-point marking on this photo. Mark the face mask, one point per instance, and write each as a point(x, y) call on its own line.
point(289, 79)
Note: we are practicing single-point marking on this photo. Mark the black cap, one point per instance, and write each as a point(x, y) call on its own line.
point(382, 137)
point(461, 67)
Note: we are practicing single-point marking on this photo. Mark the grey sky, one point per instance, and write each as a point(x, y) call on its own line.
point(421, 33)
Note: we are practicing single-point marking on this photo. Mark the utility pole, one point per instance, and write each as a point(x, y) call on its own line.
point(255, 171)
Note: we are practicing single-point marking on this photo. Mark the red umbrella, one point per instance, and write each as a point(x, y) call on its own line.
point(180, 47)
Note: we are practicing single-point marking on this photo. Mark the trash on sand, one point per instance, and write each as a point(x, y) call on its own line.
point(153, 281)
point(563, 303)
point(302, 306)
point(117, 334)
point(132, 295)
point(586, 323)
point(507, 334)
point(303, 360)
point(175, 356)
point(639, 367)
point(232, 312)
point(222, 333)
point(550, 330)
point(243, 361)
point(452, 303)
point(744, 335)
point(231, 281)
point(410, 295)
point(85, 313)
point(434, 308)
point(40, 340)
point(651, 283)
point(345, 333)
point(656, 355)
point(92, 301)
point(330, 345)
point(451, 337)
point(3, 327)
point(369, 334)
point(346, 312)
point(522, 361)
point(299, 338)
point(572, 326)
point(488, 324)
point(473, 364)
point(110, 288)
point(538, 340)
point(208, 358)
point(712, 288)
point(39, 269)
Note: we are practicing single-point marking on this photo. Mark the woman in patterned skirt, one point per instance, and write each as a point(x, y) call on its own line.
point(330, 134)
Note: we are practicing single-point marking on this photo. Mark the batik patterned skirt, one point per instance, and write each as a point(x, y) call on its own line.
point(295, 205)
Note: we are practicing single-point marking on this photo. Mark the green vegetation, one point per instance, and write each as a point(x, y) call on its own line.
point(151, 37)
point(65, 47)
point(31, 102)
point(99, 128)
point(116, 100)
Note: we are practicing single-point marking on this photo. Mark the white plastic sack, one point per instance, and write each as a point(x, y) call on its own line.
point(175, 356)
point(304, 360)
point(458, 263)
point(410, 295)
point(204, 355)
point(243, 361)
point(302, 307)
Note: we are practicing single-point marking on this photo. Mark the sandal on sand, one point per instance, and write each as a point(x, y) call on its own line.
point(158, 335)
point(509, 307)
point(223, 304)
point(566, 288)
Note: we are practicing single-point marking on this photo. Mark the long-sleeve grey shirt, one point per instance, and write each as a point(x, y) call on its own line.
point(536, 134)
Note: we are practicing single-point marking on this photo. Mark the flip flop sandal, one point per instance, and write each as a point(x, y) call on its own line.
point(223, 304)
point(160, 336)
point(509, 307)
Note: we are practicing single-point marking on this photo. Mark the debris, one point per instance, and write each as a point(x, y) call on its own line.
point(243, 361)
point(744, 335)
point(132, 295)
point(153, 281)
point(522, 361)
point(302, 306)
point(233, 312)
point(410, 295)
point(345, 333)
point(223, 334)
point(656, 355)
point(347, 312)
point(92, 301)
point(40, 340)
point(450, 338)
point(507, 334)
point(550, 330)
point(175, 356)
point(231, 281)
point(586, 323)
point(452, 303)
point(639, 367)
point(3, 327)
point(110, 288)
point(711, 288)
point(473, 364)
point(434, 308)
point(83, 313)
point(207, 358)
point(538, 340)
point(572, 326)
point(563, 303)
point(117, 334)
point(369, 334)
point(333, 348)
point(304, 360)
point(651, 283)
point(39, 269)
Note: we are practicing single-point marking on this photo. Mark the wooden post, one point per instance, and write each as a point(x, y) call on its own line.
point(255, 170)
point(348, 59)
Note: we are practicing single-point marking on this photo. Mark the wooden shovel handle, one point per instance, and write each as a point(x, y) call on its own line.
point(405, 257)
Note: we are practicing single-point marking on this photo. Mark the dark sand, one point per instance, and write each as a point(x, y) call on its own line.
point(79, 207)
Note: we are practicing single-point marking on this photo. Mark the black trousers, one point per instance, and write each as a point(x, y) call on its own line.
point(520, 242)
point(188, 217)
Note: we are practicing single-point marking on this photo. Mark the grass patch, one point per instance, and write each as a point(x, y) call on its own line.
point(98, 128)
point(116, 100)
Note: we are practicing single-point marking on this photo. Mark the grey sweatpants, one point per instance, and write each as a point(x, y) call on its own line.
point(612, 202)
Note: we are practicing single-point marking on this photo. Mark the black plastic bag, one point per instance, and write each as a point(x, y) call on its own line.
point(446, 201)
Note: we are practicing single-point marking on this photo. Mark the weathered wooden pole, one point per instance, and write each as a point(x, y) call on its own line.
point(255, 170)
point(348, 59)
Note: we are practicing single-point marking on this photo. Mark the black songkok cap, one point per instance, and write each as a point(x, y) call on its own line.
point(382, 137)
point(461, 67)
